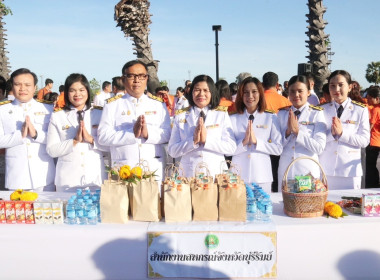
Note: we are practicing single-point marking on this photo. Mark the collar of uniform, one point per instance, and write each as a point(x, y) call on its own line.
point(343, 104)
point(300, 109)
point(23, 104)
point(134, 99)
point(248, 114)
point(197, 110)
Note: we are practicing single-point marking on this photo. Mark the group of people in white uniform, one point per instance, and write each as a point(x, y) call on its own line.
point(136, 126)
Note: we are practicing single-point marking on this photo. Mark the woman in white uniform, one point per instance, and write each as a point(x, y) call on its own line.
point(303, 129)
point(202, 132)
point(347, 132)
point(72, 138)
point(257, 134)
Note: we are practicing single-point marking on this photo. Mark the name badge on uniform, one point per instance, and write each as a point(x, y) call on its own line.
point(307, 123)
point(183, 121)
point(39, 113)
point(65, 127)
point(261, 126)
point(212, 126)
point(150, 112)
point(351, 122)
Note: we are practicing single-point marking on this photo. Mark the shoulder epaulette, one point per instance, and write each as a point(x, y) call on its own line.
point(315, 107)
point(232, 112)
point(97, 93)
point(112, 99)
point(269, 111)
point(97, 107)
point(44, 101)
point(57, 110)
point(358, 103)
point(5, 102)
point(285, 108)
point(155, 97)
point(177, 112)
point(221, 108)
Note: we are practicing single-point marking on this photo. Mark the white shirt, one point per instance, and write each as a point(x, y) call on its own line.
point(101, 98)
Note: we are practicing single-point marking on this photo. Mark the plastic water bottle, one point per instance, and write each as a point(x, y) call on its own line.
point(71, 213)
point(267, 208)
point(79, 210)
point(96, 202)
point(251, 204)
point(79, 193)
point(91, 213)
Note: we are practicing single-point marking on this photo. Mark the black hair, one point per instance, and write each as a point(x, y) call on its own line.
point(71, 79)
point(299, 78)
point(61, 88)
point(3, 84)
point(51, 96)
point(344, 73)
point(165, 88)
point(180, 89)
point(223, 89)
point(157, 89)
point(118, 83)
point(131, 63)
point(23, 71)
point(215, 99)
point(374, 92)
point(270, 79)
point(105, 84)
point(48, 81)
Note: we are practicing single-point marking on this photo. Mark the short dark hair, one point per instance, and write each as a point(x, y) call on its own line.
point(157, 89)
point(105, 84)
point(131, 63)
point(118, 83)
point(234, 88)
point(23, 71)
point(48, 81)
point(61, 88)
point(215, 99)
point(239, 102)
point(71, 79)
point(374, 92)
point(299, 78)
point(180, 89)
point(344, 73)
point(270, 79)
point(51, 96)
point(223, 89)
point(3, 84)
point(165, 88)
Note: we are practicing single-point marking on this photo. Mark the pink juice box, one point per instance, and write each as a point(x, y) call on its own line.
point(371, 205)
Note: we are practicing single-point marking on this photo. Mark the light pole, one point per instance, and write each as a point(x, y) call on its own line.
point(217, 28)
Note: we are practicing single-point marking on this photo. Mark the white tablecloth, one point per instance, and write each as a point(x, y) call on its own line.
point(314, 248)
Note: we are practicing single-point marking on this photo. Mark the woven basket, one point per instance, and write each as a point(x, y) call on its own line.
point(304, 205)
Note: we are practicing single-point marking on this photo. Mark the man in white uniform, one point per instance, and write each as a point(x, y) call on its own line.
point(23, 127)
point(135, 125)
point(100, 99)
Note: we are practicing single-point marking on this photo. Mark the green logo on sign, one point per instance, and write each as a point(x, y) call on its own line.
point(211, 241)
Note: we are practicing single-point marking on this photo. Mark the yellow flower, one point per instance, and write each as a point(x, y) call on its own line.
point(334, 210)
point(29, 196)
point(137, 171)
point(327, 204)
point(16, 194)
point(125, 172)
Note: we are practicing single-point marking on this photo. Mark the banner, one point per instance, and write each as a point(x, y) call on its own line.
point(212, 254)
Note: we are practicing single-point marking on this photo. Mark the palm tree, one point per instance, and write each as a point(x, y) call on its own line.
point(318, 43)
point(4, 64)
point(133, 17)
point(373, 72)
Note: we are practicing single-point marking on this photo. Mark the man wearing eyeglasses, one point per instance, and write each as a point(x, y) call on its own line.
point(135, 125)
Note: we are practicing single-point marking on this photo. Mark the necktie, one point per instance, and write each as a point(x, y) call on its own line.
point(80, 115)
point(339, 111)
point(297, 113)
point(202, 115)
point(251, 118)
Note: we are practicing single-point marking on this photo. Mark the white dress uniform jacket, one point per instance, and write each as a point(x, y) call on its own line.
point(81, 165)
point(342, 156)
point(254, 160)
point(180, 103)
point(219, 142)
point(101, 98)
point(116, 130)
point(28, 166)
point(310, 141)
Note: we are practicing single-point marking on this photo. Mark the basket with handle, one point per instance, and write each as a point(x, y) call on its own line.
point(304, 205)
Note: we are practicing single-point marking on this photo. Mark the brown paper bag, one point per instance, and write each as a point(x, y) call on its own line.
point(232, 202)
point(177, 201)
point(114, 202)
point(145, 203)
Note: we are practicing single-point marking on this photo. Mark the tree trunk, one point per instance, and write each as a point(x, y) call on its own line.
point(318, 43)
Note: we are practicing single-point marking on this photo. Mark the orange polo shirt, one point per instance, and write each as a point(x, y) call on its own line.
point(375, 121)
point(42, 92)
point(275, 101)
point(227, 103)
point(60, 101)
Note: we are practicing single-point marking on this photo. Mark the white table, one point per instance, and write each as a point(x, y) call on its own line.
point(314, 248)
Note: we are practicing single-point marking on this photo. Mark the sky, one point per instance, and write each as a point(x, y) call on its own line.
point(60, 37)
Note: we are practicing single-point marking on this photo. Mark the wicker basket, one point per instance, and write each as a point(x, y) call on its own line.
point(303, 205)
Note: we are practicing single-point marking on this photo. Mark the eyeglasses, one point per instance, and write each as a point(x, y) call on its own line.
point(141, 77)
